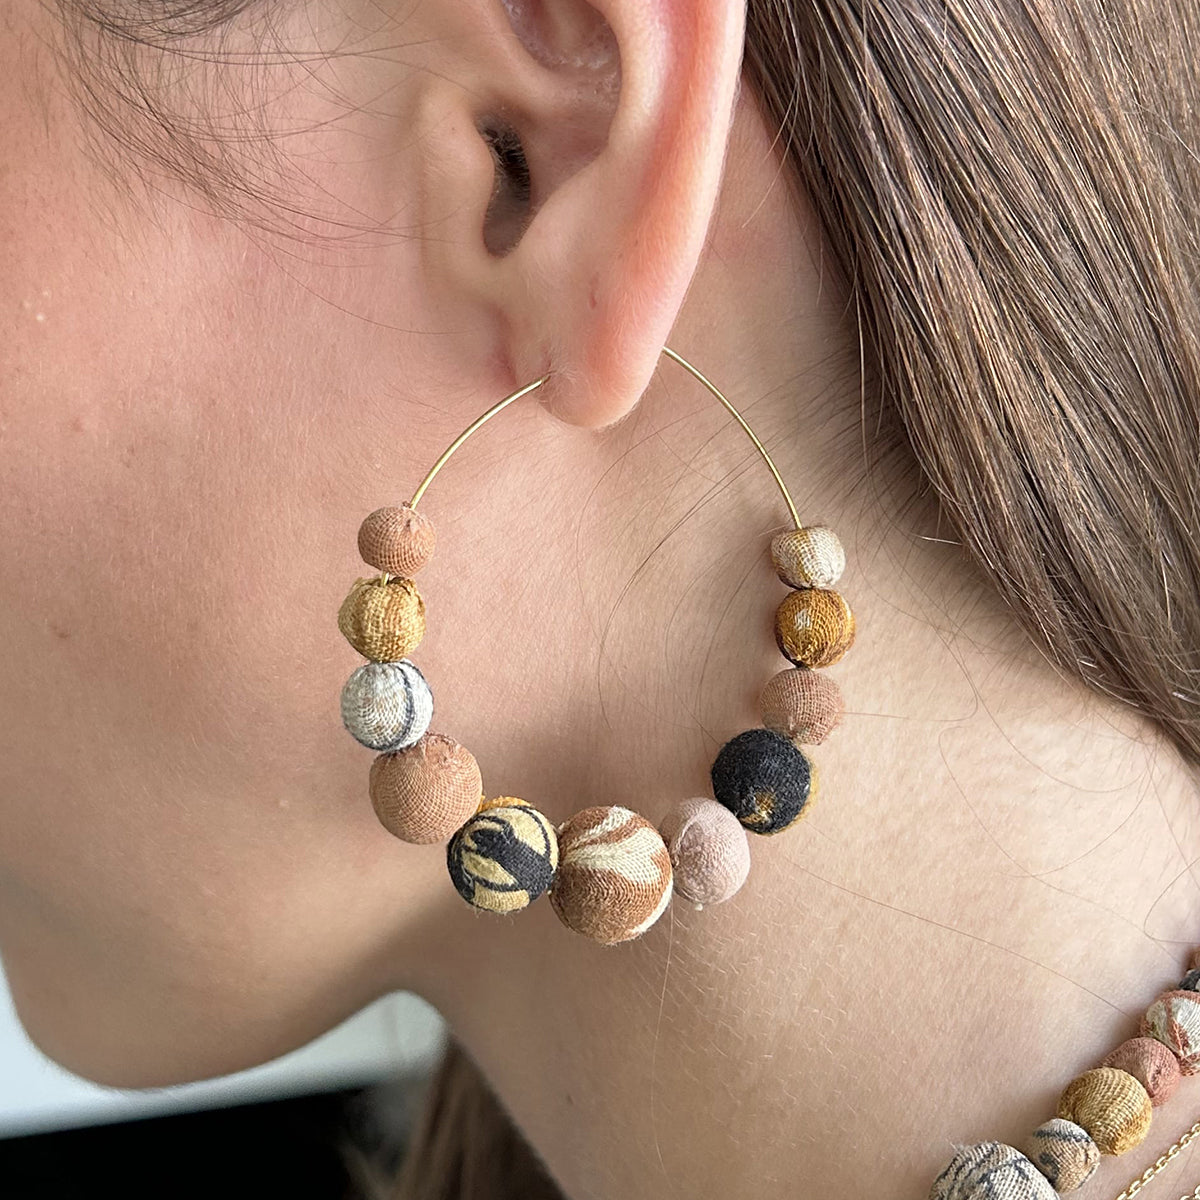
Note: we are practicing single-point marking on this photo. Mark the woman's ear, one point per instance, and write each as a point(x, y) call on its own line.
point(577, 237)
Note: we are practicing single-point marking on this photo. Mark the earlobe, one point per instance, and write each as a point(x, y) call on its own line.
point(624, 159)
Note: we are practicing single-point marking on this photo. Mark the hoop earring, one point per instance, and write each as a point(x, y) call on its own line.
point(609, 872)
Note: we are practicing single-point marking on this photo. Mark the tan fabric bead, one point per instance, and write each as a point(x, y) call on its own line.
point(802, 704)
point(383, 622)
point(1064, 1152)
point(1174, 1019)
point(710, 852)
point(809, 557)
point(399, 541)
point(423, 793)
point(1111, 1105)
point(1151, 1063)
point(814, 627)
point(614, 874)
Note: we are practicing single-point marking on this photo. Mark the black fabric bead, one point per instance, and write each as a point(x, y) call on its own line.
point(1191, 981)
point(763, 779)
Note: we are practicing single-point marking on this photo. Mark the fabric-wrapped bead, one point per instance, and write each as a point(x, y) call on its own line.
point(383, 621)
point(423, 793)
point(614, 874)
point(1064, 1152)
point(1174, 1019)
point(399, 541)
point(387, 705)
point(809, 557)
point(764, 779)
point(710, 856)
point(504, 857)
point(801, 704)
point(991, 1171)
point(1111, 1105)
point(814, 627)
point(1151, 1063)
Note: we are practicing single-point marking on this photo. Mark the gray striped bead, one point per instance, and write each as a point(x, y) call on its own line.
point(387, 705)
point(1064, 1152)
point(991, 1171)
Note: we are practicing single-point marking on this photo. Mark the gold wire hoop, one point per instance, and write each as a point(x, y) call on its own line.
point(529, 387)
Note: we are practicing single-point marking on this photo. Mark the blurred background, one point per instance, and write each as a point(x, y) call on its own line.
point(330, 1120)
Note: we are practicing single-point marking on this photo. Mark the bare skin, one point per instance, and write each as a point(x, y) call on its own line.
point(996, 877)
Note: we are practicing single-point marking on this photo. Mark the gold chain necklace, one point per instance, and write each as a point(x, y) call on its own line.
point(1150, 1172)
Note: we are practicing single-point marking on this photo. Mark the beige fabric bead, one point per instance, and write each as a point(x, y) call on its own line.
point(710, 852)
point(1174, 1019)
point(1064, 1152)
point(1111, 1105)
point(809, 557)
point(399, 541)
point(422, 794)
point(1151, 1063)
point(802, 704)
point(814, 627)
point(383, 622)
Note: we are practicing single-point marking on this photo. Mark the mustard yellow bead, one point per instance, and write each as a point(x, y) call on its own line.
point(1111, 1105)
point(814, 627)
point(383, 622)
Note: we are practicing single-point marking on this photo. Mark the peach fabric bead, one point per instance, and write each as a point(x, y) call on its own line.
point(709, 849)
point(423, 793)
point(1151, 1063)
point(814, 627)
point(1111, 1105)
point(399, 541)
point(802, 704)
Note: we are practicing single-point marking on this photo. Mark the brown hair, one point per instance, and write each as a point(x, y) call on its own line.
point(1008, 186)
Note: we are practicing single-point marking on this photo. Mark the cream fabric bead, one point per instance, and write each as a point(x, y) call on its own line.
point(1174, 1019)
point(1064, 1152)
point(710, 852)
point(387, 705)
point(991, 1171)
point(808, 557)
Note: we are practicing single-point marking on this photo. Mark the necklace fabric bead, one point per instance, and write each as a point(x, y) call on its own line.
point(1111, 1105)
point(814, 627)
point(1151, 1063)
point(398, 541)
point(504, 857)
point(1064, 1152)
point(1174, 1019)
point(991, 1171)
point(809, 557)
point(764, 779)
point(802, 704)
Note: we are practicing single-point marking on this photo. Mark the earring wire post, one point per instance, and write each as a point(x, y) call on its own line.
point(529, 387)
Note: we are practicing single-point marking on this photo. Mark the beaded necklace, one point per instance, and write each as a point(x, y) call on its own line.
point(610, 873)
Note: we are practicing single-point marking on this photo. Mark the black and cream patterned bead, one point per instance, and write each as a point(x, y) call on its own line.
point(504, 857)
